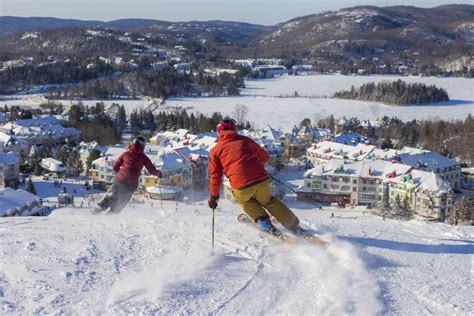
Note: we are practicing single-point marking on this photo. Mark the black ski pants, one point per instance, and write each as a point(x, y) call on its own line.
point(118, 196)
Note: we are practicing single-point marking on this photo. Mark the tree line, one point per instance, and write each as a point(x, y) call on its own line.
point(396, 92)
point(453, 139)
point(163, 121)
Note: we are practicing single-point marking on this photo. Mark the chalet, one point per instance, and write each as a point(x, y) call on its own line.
point(53, 165)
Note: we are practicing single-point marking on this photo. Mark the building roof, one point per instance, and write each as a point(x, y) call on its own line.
point(12, 199)
point(349, 138)
point(45, 121)
point(331, 150)
point(170, 161)
point(368, 169)
point(9, 159)
point(429, 182)
point(427, 161)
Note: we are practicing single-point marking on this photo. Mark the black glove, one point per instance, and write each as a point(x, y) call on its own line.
point(213, 201)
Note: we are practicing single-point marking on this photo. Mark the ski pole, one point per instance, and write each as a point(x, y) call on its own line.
point(213, 211)
point(283, 184)
point(161, 196)
point(293, 190)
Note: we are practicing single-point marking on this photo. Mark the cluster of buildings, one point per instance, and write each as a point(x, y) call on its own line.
point(22, 138)
point(23, 135)
point(181, 156)
point(343, 168)
point(421, 181)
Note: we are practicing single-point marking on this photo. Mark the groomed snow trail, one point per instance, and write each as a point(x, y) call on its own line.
point(159, 261)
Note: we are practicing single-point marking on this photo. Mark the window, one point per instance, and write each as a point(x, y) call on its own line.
point(354, 181)
point(325, 186)
point(354, 189)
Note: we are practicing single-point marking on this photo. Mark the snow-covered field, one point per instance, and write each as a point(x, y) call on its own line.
point(267, 106)
point(268, 100)
point(153, 260)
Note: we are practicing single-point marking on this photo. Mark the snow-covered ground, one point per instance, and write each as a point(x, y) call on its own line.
point(268, 100)
point(267, 106)
point(158, 260)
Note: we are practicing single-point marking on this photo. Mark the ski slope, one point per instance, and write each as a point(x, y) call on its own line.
point(158, 260)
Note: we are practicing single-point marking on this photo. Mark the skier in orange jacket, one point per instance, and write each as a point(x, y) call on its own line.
point(242, 160)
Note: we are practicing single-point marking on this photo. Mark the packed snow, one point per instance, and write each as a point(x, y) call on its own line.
point(154, 259)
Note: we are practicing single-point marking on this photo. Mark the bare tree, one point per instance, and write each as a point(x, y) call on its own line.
point(240, 113)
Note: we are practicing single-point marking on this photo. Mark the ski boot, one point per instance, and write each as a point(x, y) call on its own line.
point(267, 226)
point(299, 231)
point(97, 210)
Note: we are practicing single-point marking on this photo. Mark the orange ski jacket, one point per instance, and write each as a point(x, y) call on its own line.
point(241, 159)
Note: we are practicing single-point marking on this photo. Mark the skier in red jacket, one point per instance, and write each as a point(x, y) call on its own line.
point(128, 168)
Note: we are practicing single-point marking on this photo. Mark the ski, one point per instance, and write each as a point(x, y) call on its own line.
point(306, 237)
point(245, 219)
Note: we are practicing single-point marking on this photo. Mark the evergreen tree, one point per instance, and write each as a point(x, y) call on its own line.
point(387, 143)
point(93, 155)
point(30, 187)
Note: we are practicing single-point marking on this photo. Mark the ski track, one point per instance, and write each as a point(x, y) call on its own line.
point(159, 262)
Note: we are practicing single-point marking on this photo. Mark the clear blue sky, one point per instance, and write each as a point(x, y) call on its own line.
point(254, 11)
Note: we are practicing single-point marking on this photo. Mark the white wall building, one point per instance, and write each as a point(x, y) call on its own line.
point(378, 181)
point(52, 165)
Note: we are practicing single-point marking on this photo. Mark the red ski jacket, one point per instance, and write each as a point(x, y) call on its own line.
point(128, 166)
point(241, 159)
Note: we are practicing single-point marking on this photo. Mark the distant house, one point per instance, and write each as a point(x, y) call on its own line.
point(176, 171)
point(52, 165)
point(101, 170)
point(183, 68)
point(303, 70)
point(269, 71)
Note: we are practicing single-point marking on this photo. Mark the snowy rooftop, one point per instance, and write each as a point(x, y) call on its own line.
point(50, 120)
point(429, 182)
point(349, 138)
point(341, 151)
point(428, 161)
point(368, 169)
point(12, 199)
point(170, 161)
point(8, 159)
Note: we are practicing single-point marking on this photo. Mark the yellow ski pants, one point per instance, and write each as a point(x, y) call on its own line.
point(258, 198)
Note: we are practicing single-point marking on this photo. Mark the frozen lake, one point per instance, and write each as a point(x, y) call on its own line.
point(267, 106)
